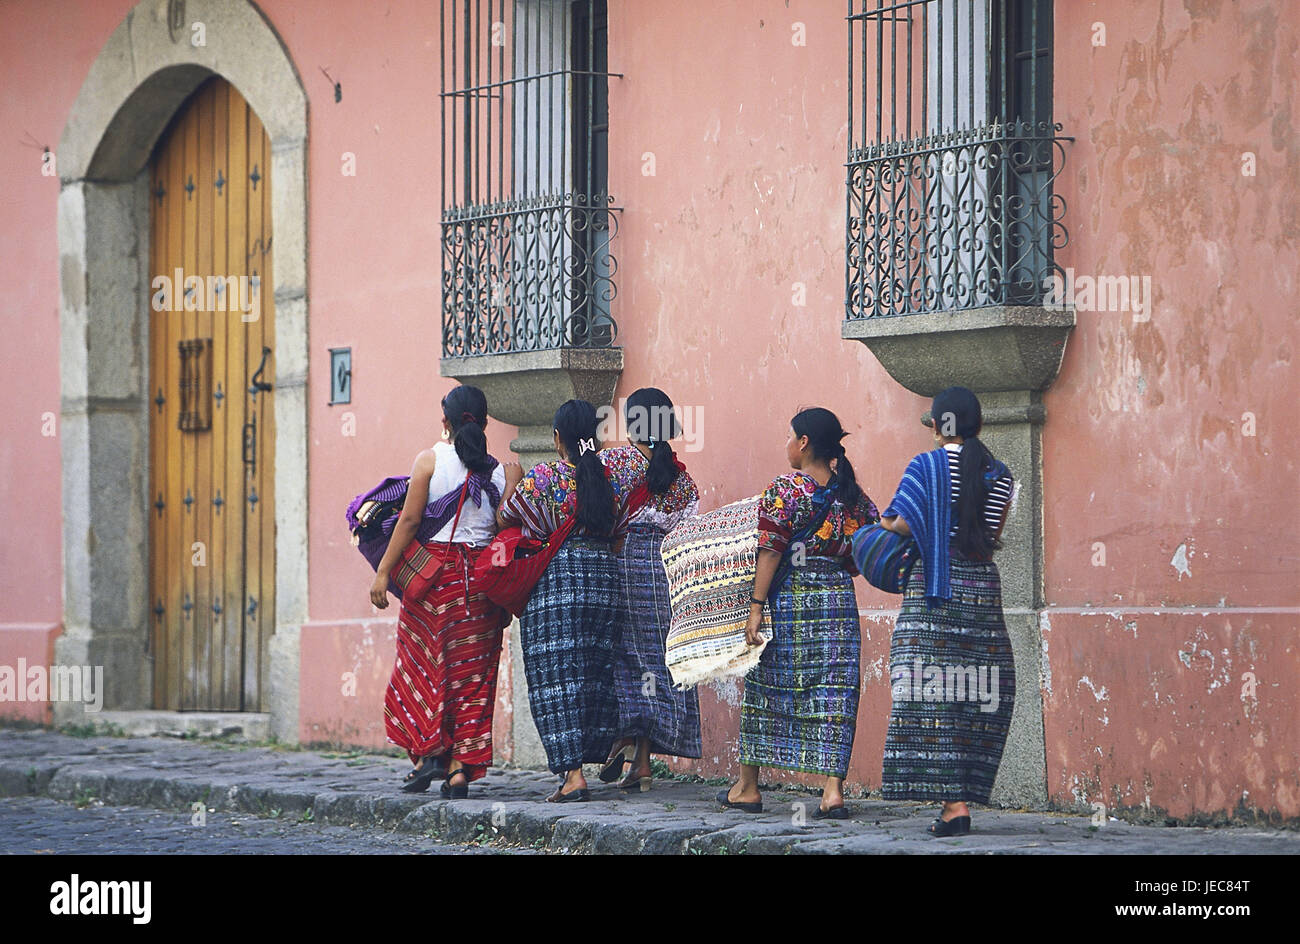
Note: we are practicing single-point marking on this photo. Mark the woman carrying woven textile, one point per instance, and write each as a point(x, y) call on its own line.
point(443, 687)
point(800, 705)
point(568, 627)
point(653, 717)
point(953, 500)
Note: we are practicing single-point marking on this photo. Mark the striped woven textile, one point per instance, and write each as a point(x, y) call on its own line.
point(924, 501)
point(710, 561)
point(649, 705)
point(443, 688)
point(800, 706)
point(953, 686)
point(567, 634)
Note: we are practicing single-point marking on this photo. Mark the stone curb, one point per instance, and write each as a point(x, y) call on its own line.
point(676, 819)
point(526, 823)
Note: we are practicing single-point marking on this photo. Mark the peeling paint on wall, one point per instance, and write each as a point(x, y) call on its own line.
point(1100, 695)
point(727, 690)
point(1045, 672)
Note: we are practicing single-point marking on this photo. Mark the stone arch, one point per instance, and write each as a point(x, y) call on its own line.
point(136, 83)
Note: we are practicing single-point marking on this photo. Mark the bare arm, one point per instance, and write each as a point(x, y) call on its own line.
point(896, 524)
point(408, 523)
point(514, 475)
point(1002, 523)
point(764, 571)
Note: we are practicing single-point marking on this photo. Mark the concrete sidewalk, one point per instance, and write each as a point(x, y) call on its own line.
point(505, 808)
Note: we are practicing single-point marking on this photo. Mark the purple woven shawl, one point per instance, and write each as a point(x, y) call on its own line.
point(373, 541)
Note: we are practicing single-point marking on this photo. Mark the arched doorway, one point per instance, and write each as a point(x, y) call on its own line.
point(211, 432)
point(142, 77)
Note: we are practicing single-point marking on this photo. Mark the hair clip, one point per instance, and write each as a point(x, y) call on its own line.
point(585, 446)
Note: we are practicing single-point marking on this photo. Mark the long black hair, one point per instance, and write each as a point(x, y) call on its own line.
point(651, 420)
point(575, 421)
point(465, 409)
point(956, 412)
point(824, 432)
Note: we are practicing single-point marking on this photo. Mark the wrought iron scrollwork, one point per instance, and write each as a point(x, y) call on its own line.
point(959, 220)
point(529, 275)
point(953, 156)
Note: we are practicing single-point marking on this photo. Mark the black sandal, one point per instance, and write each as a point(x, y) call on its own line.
point(576, 796)
point(458, 791)
point(743, 807)
point(835, 812)
point(614, 765)
point(957, 826)
point(418, 780)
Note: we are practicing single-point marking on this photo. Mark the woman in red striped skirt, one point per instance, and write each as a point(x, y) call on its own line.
point(443, 688)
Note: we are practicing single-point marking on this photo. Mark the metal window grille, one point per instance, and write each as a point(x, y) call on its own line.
point(527, 218)
point(952, 156)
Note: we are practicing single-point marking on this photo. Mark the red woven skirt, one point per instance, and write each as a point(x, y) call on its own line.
point(443, 689)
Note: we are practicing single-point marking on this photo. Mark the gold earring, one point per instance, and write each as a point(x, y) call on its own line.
point(445, 434)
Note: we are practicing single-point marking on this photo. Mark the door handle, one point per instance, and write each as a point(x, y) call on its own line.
point(258, 383)
point(250, 444)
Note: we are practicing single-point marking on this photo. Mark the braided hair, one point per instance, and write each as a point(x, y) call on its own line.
point(956, 411)
point(651, 420)
point(824, 432)
point(465, 410)
point(575, 422)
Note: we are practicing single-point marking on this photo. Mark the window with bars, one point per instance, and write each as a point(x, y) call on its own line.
point(953, 153)
point(527, 217)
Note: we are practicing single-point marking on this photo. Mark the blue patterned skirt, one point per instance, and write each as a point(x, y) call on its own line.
point(648, 705)
point(800, 706)
point(953, 683)
point(567, 636)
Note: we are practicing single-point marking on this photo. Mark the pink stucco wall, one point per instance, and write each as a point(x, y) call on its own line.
point(1148, 698)
point(1143, 448)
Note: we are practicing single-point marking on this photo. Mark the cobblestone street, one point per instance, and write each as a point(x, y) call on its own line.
point(36, 825)
point(120, 795)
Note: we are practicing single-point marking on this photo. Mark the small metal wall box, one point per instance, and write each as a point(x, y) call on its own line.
point(340, 375)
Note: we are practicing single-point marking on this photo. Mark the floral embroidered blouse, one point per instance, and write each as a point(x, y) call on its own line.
point(666, 511)
point(787, 506)
point(547, 495)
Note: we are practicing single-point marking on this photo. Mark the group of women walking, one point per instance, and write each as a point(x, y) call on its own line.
point(593, 631)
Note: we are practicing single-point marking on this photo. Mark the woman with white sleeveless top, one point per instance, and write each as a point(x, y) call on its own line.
point(443, 688)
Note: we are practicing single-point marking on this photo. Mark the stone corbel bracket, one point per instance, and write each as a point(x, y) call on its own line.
point(986, 349)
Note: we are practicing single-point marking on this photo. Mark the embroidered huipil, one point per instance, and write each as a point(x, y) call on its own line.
point(548, 495)
point(666, 511)
point(787, 505)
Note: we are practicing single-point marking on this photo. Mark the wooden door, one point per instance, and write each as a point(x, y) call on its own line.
point(212, 425)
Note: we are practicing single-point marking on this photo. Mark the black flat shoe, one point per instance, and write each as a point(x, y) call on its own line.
point(613, 768)
point(835, 812)
point(743, 807)
point(455, 791)
point(577, 796)
point(957, 826)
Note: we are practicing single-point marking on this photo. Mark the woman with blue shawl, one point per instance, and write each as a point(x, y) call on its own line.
point(950, 659)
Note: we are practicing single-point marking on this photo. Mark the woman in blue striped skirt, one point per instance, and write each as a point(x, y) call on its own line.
point(568, 627)
point(800, 705)
point(654, 717)
point(951, 670)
